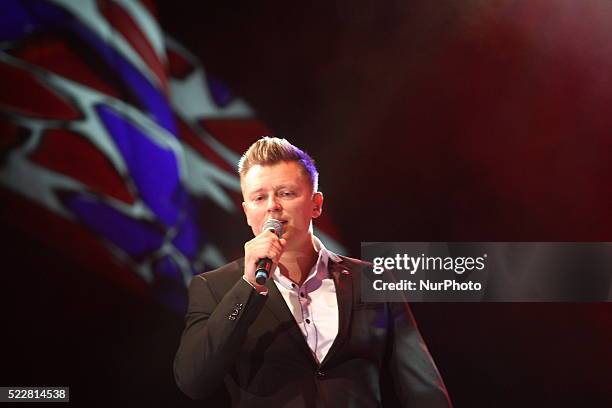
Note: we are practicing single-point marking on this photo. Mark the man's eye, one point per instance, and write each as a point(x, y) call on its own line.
point(287, 193)
point(258, 198)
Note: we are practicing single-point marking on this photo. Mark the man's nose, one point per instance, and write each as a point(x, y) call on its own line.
point(273, 204)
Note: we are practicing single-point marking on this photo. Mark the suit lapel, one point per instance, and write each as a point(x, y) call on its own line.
point(343, 281)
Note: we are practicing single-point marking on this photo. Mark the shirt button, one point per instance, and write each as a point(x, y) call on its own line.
point(302, 294)
point(308, 321)
point(320, 374)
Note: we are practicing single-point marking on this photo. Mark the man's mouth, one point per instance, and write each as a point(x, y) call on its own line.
point(284, 224)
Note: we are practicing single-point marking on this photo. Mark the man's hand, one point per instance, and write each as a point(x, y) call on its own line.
point(265, 245)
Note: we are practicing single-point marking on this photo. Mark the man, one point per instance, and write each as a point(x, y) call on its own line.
point(303, 339)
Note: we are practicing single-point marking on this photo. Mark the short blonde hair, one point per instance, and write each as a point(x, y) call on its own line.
point(272, 150)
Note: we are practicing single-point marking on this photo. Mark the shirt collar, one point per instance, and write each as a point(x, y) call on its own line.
point(324, 254)
point(319, 270)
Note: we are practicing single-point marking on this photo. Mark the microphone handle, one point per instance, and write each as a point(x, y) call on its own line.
point(263, 270)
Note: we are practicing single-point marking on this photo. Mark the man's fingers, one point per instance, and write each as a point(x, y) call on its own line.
point(266, 250)
point(265, 245)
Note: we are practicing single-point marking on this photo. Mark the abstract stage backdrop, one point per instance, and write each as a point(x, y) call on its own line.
point(122, 121)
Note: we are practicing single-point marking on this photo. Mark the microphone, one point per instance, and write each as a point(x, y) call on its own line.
point(265, 264)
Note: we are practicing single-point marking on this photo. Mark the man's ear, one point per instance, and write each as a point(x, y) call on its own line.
point(317, 204)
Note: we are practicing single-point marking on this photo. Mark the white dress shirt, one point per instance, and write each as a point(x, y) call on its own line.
point(313, 304)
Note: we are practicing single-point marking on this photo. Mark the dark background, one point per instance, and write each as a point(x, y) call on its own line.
point(475, 120)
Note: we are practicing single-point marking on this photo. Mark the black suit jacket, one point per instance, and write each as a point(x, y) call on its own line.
point(251, 342)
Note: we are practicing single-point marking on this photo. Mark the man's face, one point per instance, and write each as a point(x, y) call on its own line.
point(281, 191)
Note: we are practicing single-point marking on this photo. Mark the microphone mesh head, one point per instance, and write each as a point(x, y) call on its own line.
point(274, 225)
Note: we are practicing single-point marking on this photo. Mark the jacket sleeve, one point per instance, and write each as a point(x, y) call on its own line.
point(412, 373)
point(214, 332)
